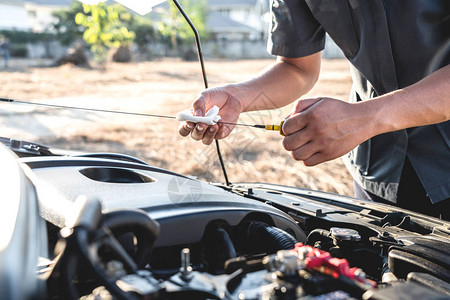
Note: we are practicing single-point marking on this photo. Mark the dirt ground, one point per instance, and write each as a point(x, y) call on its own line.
point(162, 87)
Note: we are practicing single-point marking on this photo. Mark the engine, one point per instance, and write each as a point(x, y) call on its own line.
point(118, 228)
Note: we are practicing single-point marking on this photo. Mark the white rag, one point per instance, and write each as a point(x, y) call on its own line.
point(211, 117)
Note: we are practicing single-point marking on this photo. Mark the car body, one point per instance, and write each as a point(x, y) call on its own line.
point(238, 236)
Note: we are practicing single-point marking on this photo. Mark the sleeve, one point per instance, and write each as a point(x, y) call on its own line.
point(294, 32)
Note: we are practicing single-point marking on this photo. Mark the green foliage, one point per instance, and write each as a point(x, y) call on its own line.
point(23, 37)
point(144, 30)
point(176, 27)
point(19, 50)
point(19, 39)
point(67, 30)
point(104, 28)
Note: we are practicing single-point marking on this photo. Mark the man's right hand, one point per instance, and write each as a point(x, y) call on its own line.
point(230, 108)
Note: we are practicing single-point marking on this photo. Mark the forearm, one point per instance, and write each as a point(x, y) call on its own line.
point(279, 84)
point(426, 102)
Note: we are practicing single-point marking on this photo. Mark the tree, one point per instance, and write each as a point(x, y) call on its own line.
point(67, 30)
point(178, 29)
point(104, 28)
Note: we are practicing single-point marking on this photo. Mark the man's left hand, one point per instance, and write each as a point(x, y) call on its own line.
point(322, 129)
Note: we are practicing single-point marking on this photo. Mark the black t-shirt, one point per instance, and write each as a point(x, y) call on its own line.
point(390, 44)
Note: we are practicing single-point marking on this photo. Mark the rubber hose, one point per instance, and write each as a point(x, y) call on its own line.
point(140, 224)
point(268, 239)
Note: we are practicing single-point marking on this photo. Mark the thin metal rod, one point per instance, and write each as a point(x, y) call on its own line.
point(222, 165)
point(205, 80)
point(87, 109)
point(112, 111)
point(197, 41)
point(240, 124)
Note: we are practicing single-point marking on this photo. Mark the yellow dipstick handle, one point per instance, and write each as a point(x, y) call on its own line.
point(276, 128)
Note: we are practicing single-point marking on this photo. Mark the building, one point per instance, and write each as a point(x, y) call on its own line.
point(238, 19)
point(227, 20)
point(242, 27)
point(39, 12)
point(29, 15)
point(238, 28)
point(13, 15)
point(231, 19)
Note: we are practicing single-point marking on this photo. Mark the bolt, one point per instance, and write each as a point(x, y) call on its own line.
point(185, 258)
point(186, 269)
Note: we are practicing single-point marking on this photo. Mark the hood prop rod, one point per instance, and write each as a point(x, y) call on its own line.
point(205, 80)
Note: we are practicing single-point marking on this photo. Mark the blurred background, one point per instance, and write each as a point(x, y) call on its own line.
point(123, 55)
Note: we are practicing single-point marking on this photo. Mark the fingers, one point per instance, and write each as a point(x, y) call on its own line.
point(299, 139)
point(296, 140)
point(185, 128)
point(293, 124)
point(322, 130)
point(209, 134)
point(315, 159)
point(230, 108)
point(308, 153)
point(201, 131)
point(198, 131)
point(199, 109)
point(207, 99)
point(199, 105)
point(304, 153)
point(300, 145)
point(299, 118)
point(304, 104)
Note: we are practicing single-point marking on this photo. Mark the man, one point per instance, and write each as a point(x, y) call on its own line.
point(4, 49)
point(395, 133)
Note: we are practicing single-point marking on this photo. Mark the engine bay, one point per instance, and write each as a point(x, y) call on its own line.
point(118, 228)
